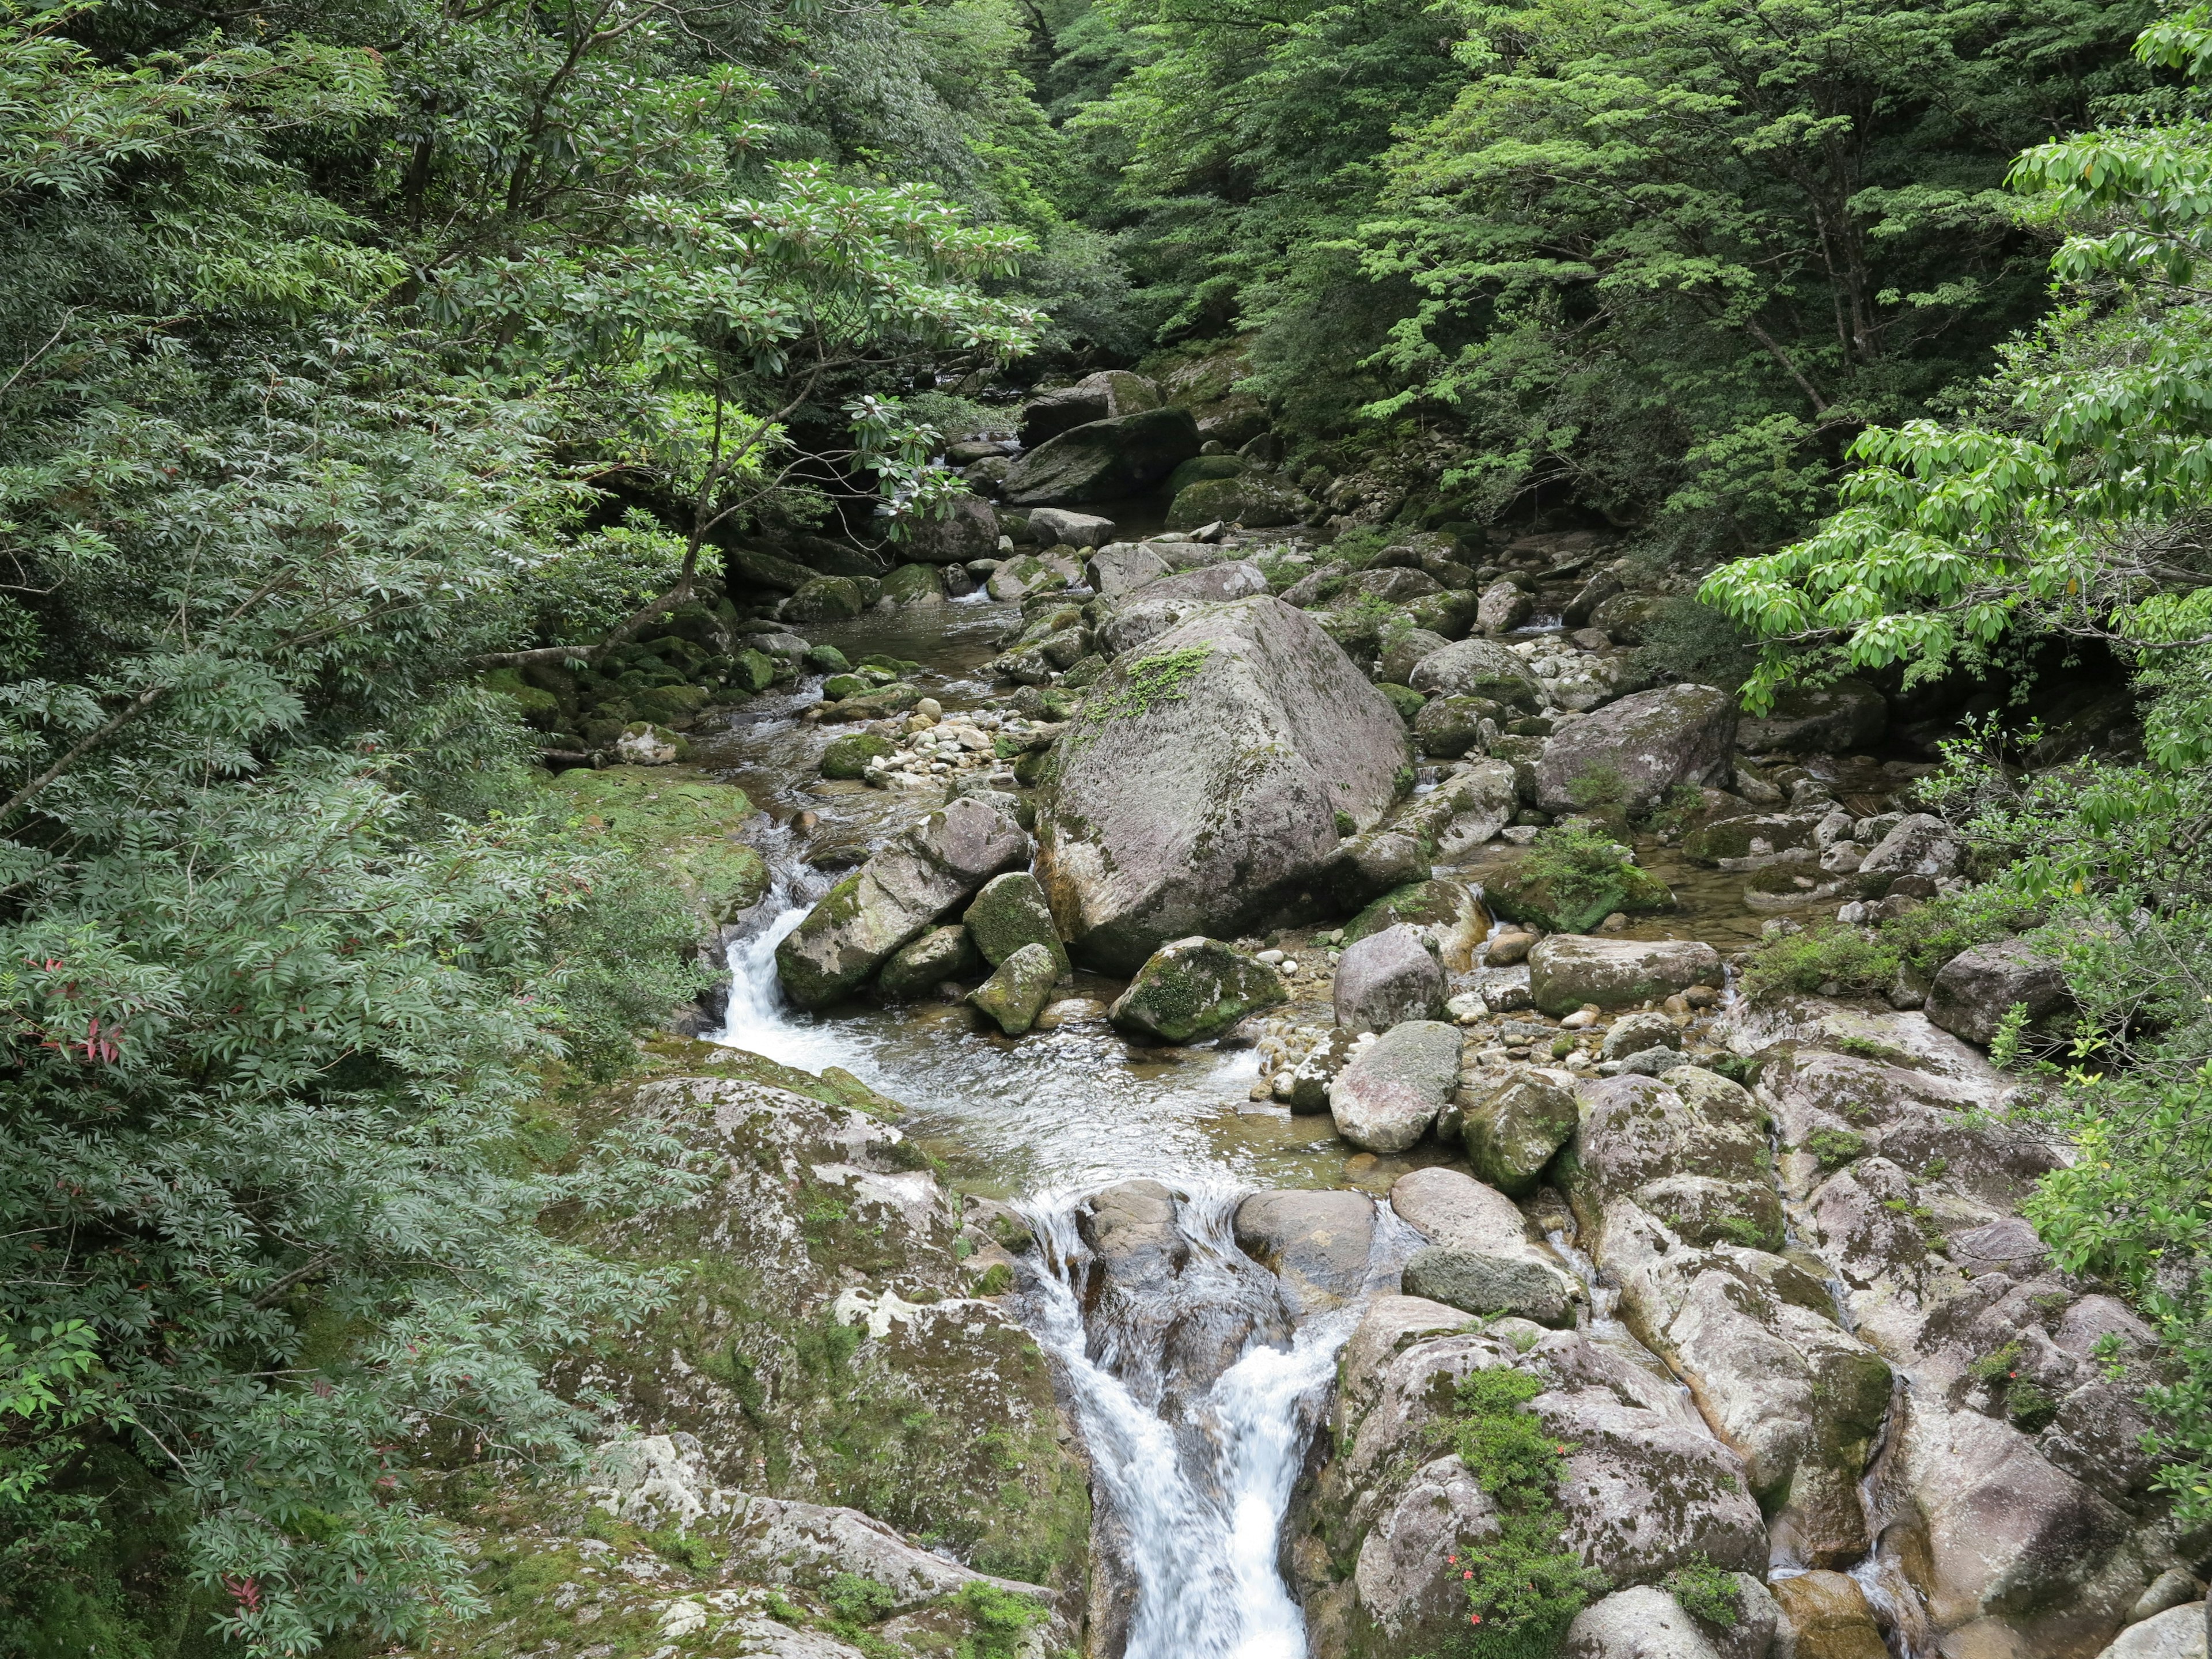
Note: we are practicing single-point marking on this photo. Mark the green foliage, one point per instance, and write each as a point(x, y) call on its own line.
point(1522, 1587)
point(1705, 1592)
point(1571, 878)
point(1150, 682)
point(1843, 959)
point(858, 1601)
point(998, 1620)
point(1834, 1148)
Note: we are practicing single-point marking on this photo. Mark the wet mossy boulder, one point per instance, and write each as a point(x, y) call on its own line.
point(1018, 988)
point(1253, 500)
point(1446, 728)
point(915, 584)
point(1009, 912)
point(1408, 701)
point(1201, 469)
point(1194, 988)
point(940, 954)
point(824, 600)
point(752, 671)
point(1515, 1126)
point(1570, 885)
point(681, 822)
point(838, 687)
point(847, 757)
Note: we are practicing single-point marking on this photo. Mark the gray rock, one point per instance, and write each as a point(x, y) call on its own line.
point(1977, 989)
point(826, 599)
point(1047, 415)
point(1514, 1127)
point(1834, 720)
point(1407, 652)
point(2176, 1633)
point(1103, 460)
point(1504, 607)
point(1591, 595)
point(1634, 1033)
point(1478, 668)
point(1448, 1207)
point(1654, 1061)
point(1255, 500)
point(1194, 988)
point(1386, 977)
point(1479, 1283)
point(891, 899)
point(1643, 1622)
point(1016, 993)
point(2176, 1587)
point(1921, 845)
point(1009, 912)
point(1054, 527)
point(1312, 1077)
point(808, 1544)
point(940, 954)
point(1317, 1243)
point(969, 530)
point(1447, 728)
point(1034, 572)
point(1126, 391)
point(913, 584)
point(2006, 1246)
point(1200, 788)
point(1145, 613)
point(1566, 970)
point(1122, 567)
point(1386, 1098)
point(1645, 745)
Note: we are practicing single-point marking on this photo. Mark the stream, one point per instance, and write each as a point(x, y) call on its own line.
point(1197, 1474)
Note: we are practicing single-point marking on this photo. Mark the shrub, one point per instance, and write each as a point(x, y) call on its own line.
point(1829, 959)
point(1704, 1592)
point(1522, 1587)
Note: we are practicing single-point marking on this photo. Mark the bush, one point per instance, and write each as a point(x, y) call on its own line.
point(1523, 1588)
point(1830, 960)
point(1705, 1592)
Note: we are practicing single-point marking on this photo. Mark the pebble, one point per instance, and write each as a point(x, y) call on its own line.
point(1581, 1019)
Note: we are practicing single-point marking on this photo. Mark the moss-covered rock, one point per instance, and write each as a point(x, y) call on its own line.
point(1408, 701)
point(941, 954)
point(847, 756)
point(1199, 469)
point(1560, 896)
point(1016, 993)
point(915, 584)
point(1009, 912)
point(1253, 500)
point(1513, 1128)
point(825, 599)
point(1450, 614)
point(682, 821)
point(754, 670)
point(1193, 988)
point(1446, 728)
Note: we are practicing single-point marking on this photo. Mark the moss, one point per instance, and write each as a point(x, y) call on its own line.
point(1408, 701)
point(679, 820)
point(1834, 1148)
point(847, 756)
point(1705, 1592)
point(1149, 683)
point(1571, 879)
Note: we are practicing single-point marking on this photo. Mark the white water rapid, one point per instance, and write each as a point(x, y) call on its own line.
point(1202, 1499)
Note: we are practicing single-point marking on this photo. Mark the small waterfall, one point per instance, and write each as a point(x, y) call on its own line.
point(758, 1018)
point(1198, 1480)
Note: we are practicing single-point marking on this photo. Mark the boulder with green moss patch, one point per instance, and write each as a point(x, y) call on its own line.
point(1195, 988)
point(915, 584)
point(1514, 1125)
point(825, 599)
point(847, 756)
point(1254, 500)
point(940, 954)
point(1009, 912)
point(680, 820)
point(1018, 989)
point(1408, 701)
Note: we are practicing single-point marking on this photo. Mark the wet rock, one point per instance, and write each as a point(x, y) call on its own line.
point(1255, 500)
point(1832, 720)
point(1122, 567)
point(1158, 606)
point(1201, 787)
point(1103, 460)
point(1644, 746)
point(1921, 845)
point(1386, 977)
point(1016, 993)
point(1194, 988)
point(1825, 1615)
point(1317, 1243)
point(1641, 1623)
point(1503, 608)
point(1034, 572)
point(1482, 1283)
point(847, 756)
point(1978, 988)
point(1528, 891)
point(1727, 841)
point(940, 954)
point(1632, 1033)
point(1478, 668)
point(889, 901)
point(1515, 1126)
point(913, 584)
point(1386, 1098)
point(1566, 970)
point(2176, 1633)
point(969, 530)
point(1312, 1077)
point(1591, 594)
point(1009, 912)
point(1054, 527)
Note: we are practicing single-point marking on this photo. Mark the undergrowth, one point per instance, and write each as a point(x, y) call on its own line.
point(1832, 959)
point(1523, 1588)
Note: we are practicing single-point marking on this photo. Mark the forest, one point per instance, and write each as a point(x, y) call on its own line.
point(383, 383)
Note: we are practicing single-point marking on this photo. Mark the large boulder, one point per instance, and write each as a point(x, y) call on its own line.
point(1978, 988)
point(1048, 414)
point(1386, 977)
point(1055, 526)
point(1202, 787)
point(1478, 1283)
point(1195, 988)
point(1122, 567)
point(1834, 720)
point(1478, 668)
point(1157, 606)
point(1016, 993)
point(940, 954)
point(1386, 1098)
point(1920, 845)
point(1317, 1243)
point(1515, 1125)
point(1009, 912)
point(1104, 460)
point(824, 600)
point(1643, 1622)
point(1503, 608)
point(1640, 749)
point(969, 530)
point(1127, 393)
point(2176, 1633)
point(913, 584)
point(1255, 500)
point(1567, 970)
point(889, 901)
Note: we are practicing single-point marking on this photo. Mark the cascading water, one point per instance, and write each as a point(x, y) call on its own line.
point(1197, 1479)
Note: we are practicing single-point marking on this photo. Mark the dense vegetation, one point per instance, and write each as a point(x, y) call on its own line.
point(347, 350)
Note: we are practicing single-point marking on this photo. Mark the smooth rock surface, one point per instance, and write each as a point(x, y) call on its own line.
point(1977, 989)
point(1386, 977)
point(1317, 1243)
point(1386, 1098)
point(1478, 668)
point(1566, 970)
point(1103, 460)
point(1150, 610)
point(1200, 786)
point(1482, 1283)
point(1644, 746)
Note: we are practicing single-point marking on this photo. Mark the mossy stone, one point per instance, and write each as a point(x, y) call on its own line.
point(680, 821)
point(1193, 988)
point(1009, 912)
point(1016, 994)
point(755, 671)
point(838, 687)
point(940, 954)
point(826, 599)
point(1200, 468)
point(1513, 1131)
point(1408, 701)
point(847, 757)
point(915, 584)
